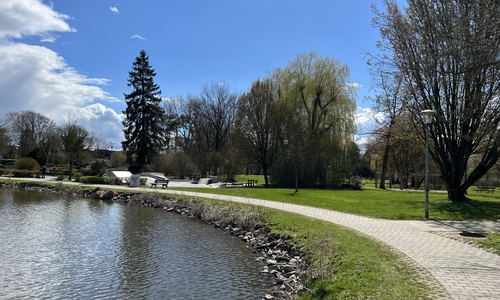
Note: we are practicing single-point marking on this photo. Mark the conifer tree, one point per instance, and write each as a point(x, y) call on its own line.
point(144, 117)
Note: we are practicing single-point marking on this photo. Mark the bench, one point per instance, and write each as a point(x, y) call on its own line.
point(487, 189)
point(194, 177)
point(252, 182)
point(162, 182)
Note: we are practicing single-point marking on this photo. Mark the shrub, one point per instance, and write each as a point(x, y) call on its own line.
point(57, 172)
point(8, 162)
point(24, 173)
point(356, 183)
point(27, 163)
point(77, 175)
point(98, 167)
point(60, 177)
point(115, 180)
point(93, 179)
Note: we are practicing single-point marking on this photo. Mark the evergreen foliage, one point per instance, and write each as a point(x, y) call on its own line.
point(98, 167)
point(144, 117)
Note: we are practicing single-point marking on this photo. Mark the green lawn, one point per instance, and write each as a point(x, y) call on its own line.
point(346, 265)
point(386, 204)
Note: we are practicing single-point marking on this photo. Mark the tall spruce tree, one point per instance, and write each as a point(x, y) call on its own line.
point(144, 117)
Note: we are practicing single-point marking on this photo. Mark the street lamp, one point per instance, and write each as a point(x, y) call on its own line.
point(428, 116)
point(111, 156)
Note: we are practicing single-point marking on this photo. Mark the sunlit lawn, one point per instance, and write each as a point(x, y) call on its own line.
point(387, 204)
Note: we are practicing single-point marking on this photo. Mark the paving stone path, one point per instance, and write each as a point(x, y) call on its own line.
point(465, 271)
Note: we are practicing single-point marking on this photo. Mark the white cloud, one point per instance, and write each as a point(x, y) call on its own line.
point(20, 18)
point(355, 85)
point(366, 124)
point(114, 9)
point(102, 120)
point(136, 36)
point(36, 78)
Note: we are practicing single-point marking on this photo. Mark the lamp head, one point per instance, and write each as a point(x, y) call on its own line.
point(428, 115)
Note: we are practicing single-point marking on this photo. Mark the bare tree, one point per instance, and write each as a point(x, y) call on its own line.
point(448, 53)
point(97, 141)
point(74, 140)
point(31, 132)
point(407, 156)
point(389, 100)
point(208, 119)
point(258, 131)
point(4, 141)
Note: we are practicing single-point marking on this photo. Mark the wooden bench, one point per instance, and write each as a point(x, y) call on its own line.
point(252, 182)
point(194, 177)
point(487, 189)
point(162, 182)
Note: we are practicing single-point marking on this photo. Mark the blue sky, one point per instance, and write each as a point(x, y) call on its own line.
point(64, 57)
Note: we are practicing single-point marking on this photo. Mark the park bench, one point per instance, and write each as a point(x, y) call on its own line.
point(252, 182)
point(194, 177)
point(488, 189)
point(162, 182)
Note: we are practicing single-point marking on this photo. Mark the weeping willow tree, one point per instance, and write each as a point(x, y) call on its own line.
point(318, 124)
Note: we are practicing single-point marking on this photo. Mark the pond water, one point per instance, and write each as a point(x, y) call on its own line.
point(58, 247)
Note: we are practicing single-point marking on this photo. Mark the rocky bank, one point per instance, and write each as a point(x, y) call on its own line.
point(285, 264)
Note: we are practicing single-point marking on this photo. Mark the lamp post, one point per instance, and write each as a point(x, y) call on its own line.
point(111, 156)
point(428, 116)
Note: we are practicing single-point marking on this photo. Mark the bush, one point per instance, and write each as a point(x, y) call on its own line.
point(77, 176)
point(115, 180)
point(356, 183)
point(27, 163)
point(57, 172)
point(24, 173)
point(100, 180)
point(60, 177)
point(94, 179)
point(8, 162)
point(98, 167)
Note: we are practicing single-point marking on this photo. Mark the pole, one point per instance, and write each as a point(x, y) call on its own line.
point(427, 170)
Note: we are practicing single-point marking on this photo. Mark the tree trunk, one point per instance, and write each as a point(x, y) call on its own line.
point(385, 159)
point(70, 171)
point(266, 179)
point(456, 193)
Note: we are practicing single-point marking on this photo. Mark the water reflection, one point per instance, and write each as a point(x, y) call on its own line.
point(56, 247)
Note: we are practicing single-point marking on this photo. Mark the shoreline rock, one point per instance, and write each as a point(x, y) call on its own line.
point(281, 261)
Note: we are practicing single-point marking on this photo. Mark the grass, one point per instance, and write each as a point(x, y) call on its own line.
point(346, 265)
point(491, 242)
point(245, 178)
point(386, 204)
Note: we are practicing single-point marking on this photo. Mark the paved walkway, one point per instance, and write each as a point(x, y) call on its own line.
point(465, 271)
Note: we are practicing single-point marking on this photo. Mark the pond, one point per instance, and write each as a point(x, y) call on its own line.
point(60, 247)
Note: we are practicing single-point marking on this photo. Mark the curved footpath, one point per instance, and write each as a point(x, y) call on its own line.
point(465, 271)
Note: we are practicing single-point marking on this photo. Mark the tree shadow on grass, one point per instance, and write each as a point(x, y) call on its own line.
point(469, 210)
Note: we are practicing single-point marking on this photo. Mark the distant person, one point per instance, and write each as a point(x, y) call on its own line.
point(44, 170)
